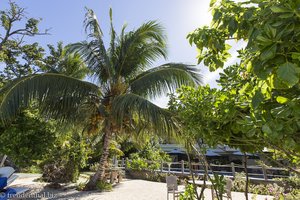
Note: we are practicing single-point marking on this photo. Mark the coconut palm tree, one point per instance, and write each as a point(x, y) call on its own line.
point(125, 81)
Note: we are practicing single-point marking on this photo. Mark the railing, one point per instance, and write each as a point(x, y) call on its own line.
point(182, 167)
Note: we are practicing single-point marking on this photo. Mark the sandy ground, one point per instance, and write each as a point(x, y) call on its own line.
point(127, 190)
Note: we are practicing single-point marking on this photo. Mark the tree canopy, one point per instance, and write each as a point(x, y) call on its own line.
point(261, 91)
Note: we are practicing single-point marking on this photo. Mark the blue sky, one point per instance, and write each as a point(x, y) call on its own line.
point(179, 17)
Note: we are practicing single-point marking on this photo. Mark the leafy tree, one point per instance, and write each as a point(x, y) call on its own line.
point(267, 78)
point(60, 61)
point(28, 138)
point(18, 58)
point(150, 152)
point(125, 83)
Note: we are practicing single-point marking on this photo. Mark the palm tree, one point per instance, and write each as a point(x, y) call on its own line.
point(125, 83)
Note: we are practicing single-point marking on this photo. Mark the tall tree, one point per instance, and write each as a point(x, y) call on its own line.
point(16, 56)
point(125, 81)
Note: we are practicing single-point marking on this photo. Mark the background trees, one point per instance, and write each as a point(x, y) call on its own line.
point(18, 57)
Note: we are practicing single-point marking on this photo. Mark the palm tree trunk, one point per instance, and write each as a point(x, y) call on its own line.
point(100, 173)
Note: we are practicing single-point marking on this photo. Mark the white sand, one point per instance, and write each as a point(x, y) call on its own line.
point(127, 190)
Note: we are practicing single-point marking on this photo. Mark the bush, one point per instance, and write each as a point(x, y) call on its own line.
point(28, 138)
point(290, 183)
point(294, 195)
point(64, 162)
point(239, 182)
point(279, 192)
point(59, 173)
point(32, 169)
point(103, 186)
point(189, 193)
point(149, 158)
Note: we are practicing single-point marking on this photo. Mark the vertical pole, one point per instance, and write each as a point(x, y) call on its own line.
point(3, 160)
point(169, 168)
point(264, 170)
point(126, 163)
point(161, 166)
point(233, 169)
point(182, 166)
point(123, 163)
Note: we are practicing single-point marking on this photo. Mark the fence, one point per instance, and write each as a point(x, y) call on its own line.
point(182, 167)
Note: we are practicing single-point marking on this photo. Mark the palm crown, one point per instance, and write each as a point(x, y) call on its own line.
point(125, 81)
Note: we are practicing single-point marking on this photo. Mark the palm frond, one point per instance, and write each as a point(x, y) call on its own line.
point(138, 49)
point(97, 46)
point(91, 24)
point(164, 79)
point(53, 92)
point(158, 119)
point(94, 58)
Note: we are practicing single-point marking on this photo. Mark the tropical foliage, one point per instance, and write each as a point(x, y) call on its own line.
point(28, 139)
point(18, 57)
point(265, 83)
point(126, 81)
point(148, 158)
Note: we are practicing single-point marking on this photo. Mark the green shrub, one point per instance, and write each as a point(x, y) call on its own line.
point(219, 184)
point(148, 158)
point(294, 195)
point(189, 193)
point(93, 167)
point(239, 182)
point(290, 183)
point(34, 169)
point(80, 186)
point(63, 163)
point(103, 186)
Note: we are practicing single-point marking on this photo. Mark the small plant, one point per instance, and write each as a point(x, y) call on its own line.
point(148, 158)
point(138, 163)
point(295, 194)
point(104, 186)
point(290, 183)
point(239, 182)
point(219, 183)
point(93, 167)
point(80, 186)
point(189, 193)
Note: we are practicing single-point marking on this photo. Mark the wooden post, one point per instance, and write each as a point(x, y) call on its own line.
point(264, 170)
point(182, 166)
point(122, 162)
point(169, 168)
point(207, 173)
point(116, 162)
point(233, 169)
point(126, 163)
point(3, 160)
point(161, 166)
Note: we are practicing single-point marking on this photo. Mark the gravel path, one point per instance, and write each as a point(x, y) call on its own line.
point(127, 190)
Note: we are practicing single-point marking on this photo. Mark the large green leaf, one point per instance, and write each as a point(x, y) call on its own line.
point(266, 129)
point(257, 99)
point(289, 73)
point(268, 53)
point(280, 9)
